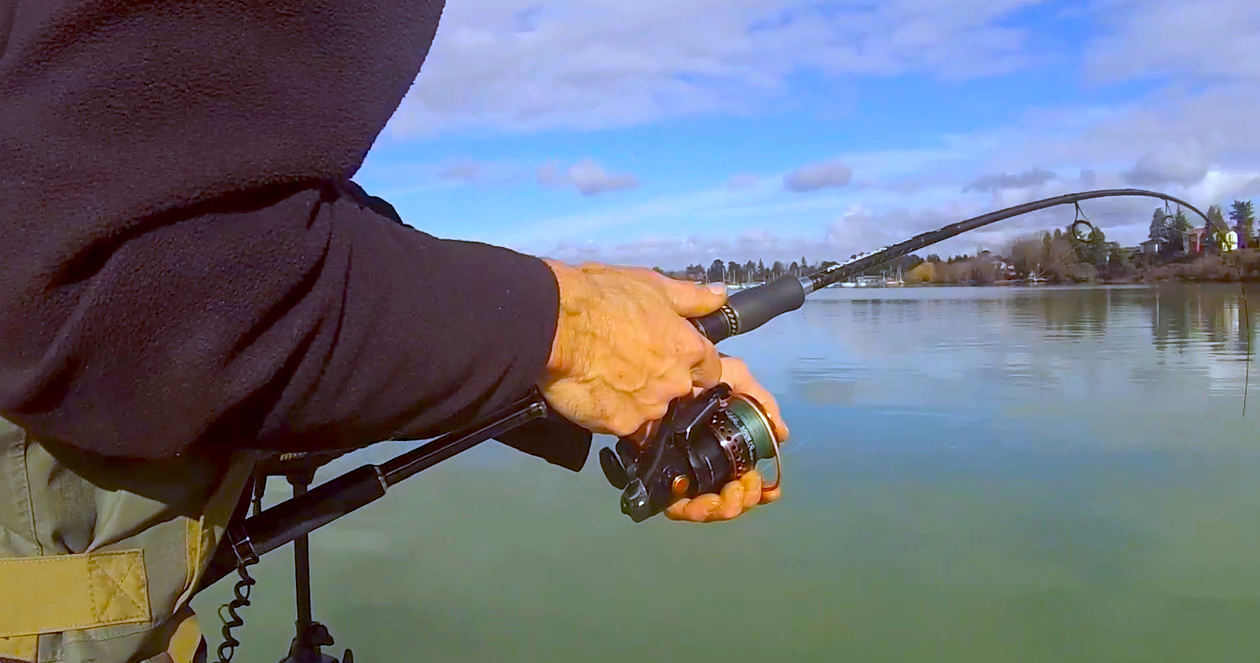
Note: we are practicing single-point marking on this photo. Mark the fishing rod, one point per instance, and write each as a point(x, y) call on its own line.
point(702, 443)
point(749, 309)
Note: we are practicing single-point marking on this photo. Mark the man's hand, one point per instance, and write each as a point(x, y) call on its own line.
point(746, 492)
point(623, 348)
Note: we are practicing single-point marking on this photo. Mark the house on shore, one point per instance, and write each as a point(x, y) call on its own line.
point(1194, 240)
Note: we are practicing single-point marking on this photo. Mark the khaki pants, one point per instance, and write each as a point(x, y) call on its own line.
point(100, 557)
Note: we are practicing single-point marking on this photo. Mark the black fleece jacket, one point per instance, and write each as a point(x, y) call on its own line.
point(183, 257)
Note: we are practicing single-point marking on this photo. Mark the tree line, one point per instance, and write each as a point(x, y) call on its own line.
point(736, 273)
point(1056, 256)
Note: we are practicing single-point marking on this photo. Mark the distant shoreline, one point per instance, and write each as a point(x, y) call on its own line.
point(1022, 283)
point(1242, 266)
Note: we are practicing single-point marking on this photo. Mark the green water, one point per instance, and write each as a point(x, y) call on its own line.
point(975, 475)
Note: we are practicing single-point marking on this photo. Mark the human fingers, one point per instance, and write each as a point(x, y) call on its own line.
point(687, 300)
point(691, 300)
point(732, 503)
point(706, 370)
point(677, 510)
point(752, 489)
point(735, 498)
point(701, 508)
point(599, 411)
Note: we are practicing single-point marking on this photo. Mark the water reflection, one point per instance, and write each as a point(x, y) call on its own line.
point(942, 347)
point(979, 475)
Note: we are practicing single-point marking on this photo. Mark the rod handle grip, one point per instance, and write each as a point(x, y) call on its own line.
point(749, 309)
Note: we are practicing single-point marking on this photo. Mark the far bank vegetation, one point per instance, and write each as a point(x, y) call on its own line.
point(1174, 250)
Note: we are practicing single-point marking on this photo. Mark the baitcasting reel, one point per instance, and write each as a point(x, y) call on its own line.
point(699, 446)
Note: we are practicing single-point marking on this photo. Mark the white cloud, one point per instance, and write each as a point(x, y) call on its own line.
point(1027, 179)
point(865, 220)
point(817, 176)
point(1250, 188)
point(862, 228)
point(510, 65)
point(463, 170)
point(1184, 164)
point(742, 181)
point(517, 65)
point(1088, 178)
point(719, 203)
point(1213, 125)
point(1204, 40)
point(394, 180)
point(481, 173)
point(586, 176)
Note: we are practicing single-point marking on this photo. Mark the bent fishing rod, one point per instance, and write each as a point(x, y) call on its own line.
point(656, 473)
point(749, 309)
point(700, 445)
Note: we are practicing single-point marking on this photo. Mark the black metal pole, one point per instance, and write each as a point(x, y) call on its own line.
point(293, 519)
point(302, 564)
point(310, 635)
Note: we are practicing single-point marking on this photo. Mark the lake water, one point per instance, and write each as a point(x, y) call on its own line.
point(975, 475)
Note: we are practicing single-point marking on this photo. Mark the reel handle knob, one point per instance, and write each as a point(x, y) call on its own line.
point(614, 470)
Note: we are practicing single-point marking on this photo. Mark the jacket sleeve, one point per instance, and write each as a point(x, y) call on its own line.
point(303, 319)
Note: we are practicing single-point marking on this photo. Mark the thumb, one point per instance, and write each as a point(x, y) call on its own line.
point(692, 300)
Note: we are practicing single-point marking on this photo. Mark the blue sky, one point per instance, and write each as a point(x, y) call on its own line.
point(664, 133)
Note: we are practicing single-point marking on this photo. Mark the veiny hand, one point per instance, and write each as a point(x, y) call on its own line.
point(623, 348)
point(738, 496)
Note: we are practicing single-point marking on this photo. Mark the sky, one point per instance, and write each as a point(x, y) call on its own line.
point(667, 132)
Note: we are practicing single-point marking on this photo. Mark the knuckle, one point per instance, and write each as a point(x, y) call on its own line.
point(684, 347)
point(625, 425)
point(680, 385)
point(692, 345)
point(663, 392)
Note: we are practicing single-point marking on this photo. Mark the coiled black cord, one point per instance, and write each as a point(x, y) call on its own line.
point(242, 589)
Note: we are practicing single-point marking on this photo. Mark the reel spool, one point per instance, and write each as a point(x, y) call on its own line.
point(699, 446)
